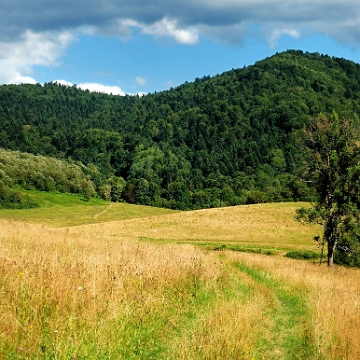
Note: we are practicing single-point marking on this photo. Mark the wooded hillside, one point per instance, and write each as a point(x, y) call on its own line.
point(223, 140)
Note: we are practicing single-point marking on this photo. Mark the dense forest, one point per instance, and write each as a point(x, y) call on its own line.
point(223, 140)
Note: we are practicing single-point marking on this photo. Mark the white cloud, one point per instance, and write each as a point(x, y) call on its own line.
point(164, 28)
point(94, 87)
point(141, 81)
point(276, 34)
point(141, 94)
point(170, 28)
point(17, 59)
point(64, 82)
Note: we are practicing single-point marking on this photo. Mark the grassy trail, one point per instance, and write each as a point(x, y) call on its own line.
point(290, 334)
point(256, 317)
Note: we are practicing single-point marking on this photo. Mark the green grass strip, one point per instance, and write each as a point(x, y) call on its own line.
point(291, 335)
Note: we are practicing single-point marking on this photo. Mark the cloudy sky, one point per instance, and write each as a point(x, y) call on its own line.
point(141, 46)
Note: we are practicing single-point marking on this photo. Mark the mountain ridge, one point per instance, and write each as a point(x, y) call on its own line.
point(221, 140)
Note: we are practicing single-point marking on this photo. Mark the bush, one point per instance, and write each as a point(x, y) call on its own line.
point(14, 199)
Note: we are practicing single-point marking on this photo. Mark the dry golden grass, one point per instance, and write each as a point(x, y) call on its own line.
point(96, 291)
point(58, 287)
point(270, 225)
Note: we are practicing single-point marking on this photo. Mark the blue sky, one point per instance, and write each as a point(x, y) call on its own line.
point(139, 46)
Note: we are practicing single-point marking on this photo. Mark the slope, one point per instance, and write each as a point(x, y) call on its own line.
point(217, 141)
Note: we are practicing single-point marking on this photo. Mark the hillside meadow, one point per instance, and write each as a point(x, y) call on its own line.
point(118, 281)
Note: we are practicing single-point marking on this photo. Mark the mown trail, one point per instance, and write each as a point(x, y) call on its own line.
point(290, 335)
point(256, 317)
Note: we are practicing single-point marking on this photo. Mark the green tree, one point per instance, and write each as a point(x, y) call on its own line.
point(332, 168)
point(117, 187)
point(277, 160)
point(147, 164)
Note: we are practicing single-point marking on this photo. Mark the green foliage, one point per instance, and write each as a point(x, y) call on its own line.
point(217, 141)
point(247, 249)
point(41, 173)
point(14, 199)
point(332, 168)
point(117, 187)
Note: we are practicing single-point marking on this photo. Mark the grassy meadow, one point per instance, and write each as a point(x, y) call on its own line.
point(115, 281)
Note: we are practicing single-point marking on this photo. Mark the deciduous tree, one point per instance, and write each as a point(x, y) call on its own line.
point(332, 168)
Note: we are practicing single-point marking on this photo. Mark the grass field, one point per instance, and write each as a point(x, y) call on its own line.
point(57, 209)
point(94, 281)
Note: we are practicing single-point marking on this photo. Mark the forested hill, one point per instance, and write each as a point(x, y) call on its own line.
point(220, 140)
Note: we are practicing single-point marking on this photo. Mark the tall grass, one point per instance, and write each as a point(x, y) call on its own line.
point(72, 296)
point(98, 292)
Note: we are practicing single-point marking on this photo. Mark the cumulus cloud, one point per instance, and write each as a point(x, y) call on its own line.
point(94, 87)
point(276, 34)
point(64, 82)
point(17, 58)
point(170, 28)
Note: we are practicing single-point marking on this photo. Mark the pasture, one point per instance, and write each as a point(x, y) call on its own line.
point(117, 281)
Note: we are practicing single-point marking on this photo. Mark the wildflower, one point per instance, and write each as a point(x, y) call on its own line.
point(21, 274)
point(80, 288)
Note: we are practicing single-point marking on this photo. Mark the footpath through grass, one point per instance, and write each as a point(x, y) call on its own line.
point(290, 335)
point(259, 318)
point(68, 295)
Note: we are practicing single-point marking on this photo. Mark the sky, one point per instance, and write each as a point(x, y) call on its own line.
point(142, 46)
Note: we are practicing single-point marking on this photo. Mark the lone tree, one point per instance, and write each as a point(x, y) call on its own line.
point(332, 169)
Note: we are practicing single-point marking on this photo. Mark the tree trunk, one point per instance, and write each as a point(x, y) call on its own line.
point(330, 261)
point(330, 238)
point(330, 256)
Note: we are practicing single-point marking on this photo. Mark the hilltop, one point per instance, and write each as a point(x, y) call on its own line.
point(222, 140)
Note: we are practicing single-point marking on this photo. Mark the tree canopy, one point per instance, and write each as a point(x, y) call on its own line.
point(332, 168)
